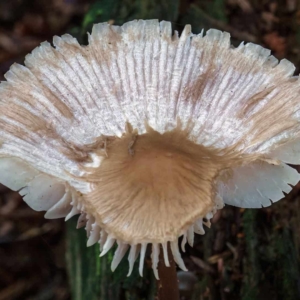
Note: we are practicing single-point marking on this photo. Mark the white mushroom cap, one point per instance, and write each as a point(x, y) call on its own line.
point(144, 132)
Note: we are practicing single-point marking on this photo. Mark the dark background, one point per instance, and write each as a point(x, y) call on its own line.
point(247, 254)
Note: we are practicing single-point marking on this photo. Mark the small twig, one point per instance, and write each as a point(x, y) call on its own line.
point(131, 144)
point(105, 147)
point(17, 289)
point(203, 265)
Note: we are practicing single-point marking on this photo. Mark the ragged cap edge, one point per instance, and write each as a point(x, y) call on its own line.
point(46, 193)
point(256, 52)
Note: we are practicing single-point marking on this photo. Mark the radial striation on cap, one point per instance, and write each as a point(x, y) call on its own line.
point(146, 134)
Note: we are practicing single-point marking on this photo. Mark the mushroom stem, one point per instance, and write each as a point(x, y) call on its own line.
point(167, 285)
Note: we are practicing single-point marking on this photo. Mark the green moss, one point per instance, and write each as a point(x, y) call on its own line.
point(91, 277)
point(251, 265)
point(287, 276)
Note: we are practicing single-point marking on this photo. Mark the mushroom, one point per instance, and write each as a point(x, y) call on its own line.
point(146, 134)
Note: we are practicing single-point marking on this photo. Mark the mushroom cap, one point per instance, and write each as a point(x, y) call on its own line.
point(146, 133)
